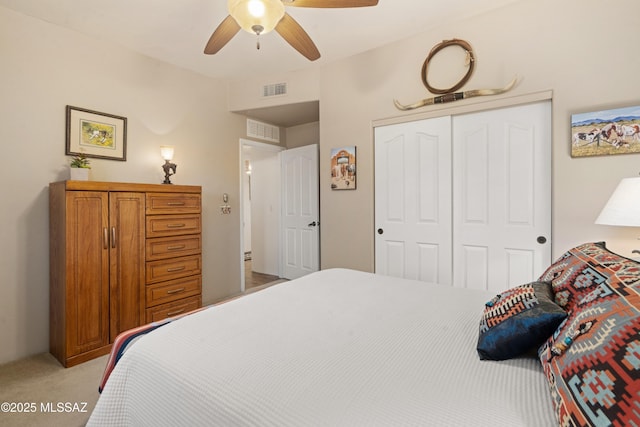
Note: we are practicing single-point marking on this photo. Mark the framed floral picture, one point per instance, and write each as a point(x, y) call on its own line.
point(95, 134)
point(343, 168)
point(604, 132)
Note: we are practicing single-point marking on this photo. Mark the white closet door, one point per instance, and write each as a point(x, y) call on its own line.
point(413, 200)
point(501, 196)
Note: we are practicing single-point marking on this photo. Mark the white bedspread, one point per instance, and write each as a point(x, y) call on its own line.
point(336, 348)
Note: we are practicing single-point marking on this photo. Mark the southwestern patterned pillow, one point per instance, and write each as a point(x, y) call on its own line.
point(517, 321)
point(582, 269)
point(592, 362)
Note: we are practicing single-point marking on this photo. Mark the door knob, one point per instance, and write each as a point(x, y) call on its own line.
point(313, 224)
point(541, 239)
point(380, 231)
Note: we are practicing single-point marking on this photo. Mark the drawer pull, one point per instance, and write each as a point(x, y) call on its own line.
point(175, 203)
point(105, 238)
point(174, 269)
point(175, 291)
point(173, 313)
point(175, 248)
point(176, 225)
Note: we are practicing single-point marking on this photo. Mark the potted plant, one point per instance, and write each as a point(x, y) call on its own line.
point(79, 167)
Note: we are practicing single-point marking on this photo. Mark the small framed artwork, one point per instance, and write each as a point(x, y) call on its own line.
point(343, 168)
point(95, 134)
point(604, 132)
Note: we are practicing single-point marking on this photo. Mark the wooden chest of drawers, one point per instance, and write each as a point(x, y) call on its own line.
point(121, 255)
point(173, 254)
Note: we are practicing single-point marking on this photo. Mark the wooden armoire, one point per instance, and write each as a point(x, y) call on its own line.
point(121, 255)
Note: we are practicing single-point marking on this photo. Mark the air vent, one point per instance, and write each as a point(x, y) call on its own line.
point(264, 131)
point(276, 89)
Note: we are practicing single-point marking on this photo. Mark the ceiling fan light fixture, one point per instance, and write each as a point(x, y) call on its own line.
point(251, 14)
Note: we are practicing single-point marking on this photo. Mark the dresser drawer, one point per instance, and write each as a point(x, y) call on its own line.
point(171, 309)
point(173, 225)
point(174, 268)
point(170, 247)
point(172, 203)
point(164, 292)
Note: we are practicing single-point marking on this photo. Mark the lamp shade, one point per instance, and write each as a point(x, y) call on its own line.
point(623, 207)
point(256, 16)
point(166, 151)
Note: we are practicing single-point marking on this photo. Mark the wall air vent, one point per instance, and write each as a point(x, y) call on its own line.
point(276, 89)
point(264, 131)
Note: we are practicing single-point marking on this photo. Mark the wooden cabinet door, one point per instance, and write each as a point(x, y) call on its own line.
point(126, 247)
point(87, 259)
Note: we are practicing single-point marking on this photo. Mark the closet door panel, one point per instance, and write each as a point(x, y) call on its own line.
point(472, 167)
point(520, 193)
point(394, 187)
point(502, 194)
point(413, 200)
point(473, 264)
point(395, 261)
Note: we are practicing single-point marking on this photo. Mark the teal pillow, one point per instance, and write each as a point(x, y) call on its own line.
point(518, 321)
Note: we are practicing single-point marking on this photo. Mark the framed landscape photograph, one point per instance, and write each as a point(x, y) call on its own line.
point(343, 168)
point(604, 132)
point(95, 134)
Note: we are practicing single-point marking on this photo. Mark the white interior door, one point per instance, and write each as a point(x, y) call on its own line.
point(413, 200)
point(502, 196)
point(300, 211)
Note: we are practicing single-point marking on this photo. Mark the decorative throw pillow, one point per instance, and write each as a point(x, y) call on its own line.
point(582, 269)
point(592, 362)
point(517, 321)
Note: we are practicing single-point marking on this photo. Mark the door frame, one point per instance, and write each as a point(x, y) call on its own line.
point(266, 148)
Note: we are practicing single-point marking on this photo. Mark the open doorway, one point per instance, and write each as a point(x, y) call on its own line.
point(260, 213)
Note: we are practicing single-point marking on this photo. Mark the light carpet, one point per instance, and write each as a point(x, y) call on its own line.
point(38, 391)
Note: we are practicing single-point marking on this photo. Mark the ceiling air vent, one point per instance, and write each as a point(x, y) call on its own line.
point(264, 131)
point(276, 89)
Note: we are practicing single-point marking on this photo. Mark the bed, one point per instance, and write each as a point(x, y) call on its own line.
point(338, 347)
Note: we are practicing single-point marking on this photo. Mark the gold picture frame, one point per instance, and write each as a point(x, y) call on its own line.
point(95, 134)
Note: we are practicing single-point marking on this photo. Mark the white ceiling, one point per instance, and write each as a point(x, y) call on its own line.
point(176, 31)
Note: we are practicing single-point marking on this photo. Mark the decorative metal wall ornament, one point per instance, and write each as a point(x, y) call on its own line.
point(450, 94)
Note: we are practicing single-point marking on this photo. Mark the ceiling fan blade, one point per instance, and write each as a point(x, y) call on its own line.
point(297, 37)
point(330, 3)
point(221, 36)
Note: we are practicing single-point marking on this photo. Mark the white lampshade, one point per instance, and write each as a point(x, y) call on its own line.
point(623, 207)
point(251, 13)
point(166, 151)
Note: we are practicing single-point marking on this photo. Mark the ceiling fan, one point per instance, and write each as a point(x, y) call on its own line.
point(261, 16)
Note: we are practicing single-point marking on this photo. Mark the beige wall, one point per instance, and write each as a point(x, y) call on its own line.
point(44, 68)
point(566, 47)
point(301, 135)
point(302, 86)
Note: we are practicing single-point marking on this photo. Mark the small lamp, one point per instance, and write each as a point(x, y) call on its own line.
point(166, 151)
point(623, 207)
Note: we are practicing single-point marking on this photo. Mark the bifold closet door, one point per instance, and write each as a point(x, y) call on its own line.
point(501, 196)
point(413, 200)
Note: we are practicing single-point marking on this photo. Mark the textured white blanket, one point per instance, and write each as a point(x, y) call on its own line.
point(336, 348)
